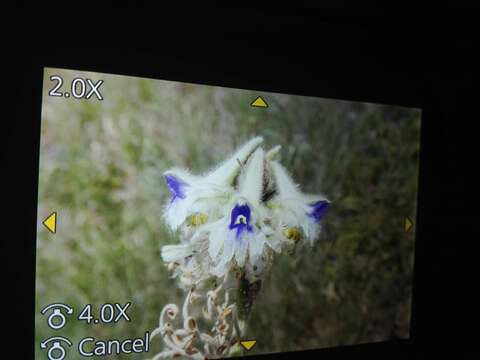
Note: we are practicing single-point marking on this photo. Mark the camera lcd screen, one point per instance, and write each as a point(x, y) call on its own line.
point(196, 221)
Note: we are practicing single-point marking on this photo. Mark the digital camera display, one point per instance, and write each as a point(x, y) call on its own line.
point(199, 222)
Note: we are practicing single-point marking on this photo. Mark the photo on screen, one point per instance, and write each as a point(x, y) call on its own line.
point(192, 221)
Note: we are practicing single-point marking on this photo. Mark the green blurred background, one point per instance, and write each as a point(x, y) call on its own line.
point(100, 169)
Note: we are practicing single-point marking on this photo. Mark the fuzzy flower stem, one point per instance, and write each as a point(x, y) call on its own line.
point(246, 294)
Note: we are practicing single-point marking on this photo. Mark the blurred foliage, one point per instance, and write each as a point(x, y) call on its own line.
point(100, 169)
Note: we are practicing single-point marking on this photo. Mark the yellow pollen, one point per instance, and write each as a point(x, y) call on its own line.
point(197, 219)
point(293, 233)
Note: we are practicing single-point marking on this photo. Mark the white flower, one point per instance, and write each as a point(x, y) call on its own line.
point(297, 214)
point(193, 194)
point(238, 215)
point(235, 218)
point(241, 233)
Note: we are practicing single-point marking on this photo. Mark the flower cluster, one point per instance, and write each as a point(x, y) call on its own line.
point(233, 220)
point(237, 216)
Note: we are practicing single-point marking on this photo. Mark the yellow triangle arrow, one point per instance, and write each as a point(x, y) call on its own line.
point(51, 222)
point(408, 224)
point(259, 102)
point(248, 344)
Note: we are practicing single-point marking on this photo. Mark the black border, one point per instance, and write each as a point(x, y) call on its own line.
point(379, 61)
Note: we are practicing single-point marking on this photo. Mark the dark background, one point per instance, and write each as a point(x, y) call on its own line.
point(409, 56)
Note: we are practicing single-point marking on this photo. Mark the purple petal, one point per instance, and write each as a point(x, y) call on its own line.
point(176, 187)
point(240, 220)
point(319, 209)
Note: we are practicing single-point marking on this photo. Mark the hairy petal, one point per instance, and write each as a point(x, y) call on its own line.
point(176, 252)
point(251, 182)
point(217, 237)
point(227, 171)
point(286, 187)
point(256, 248)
